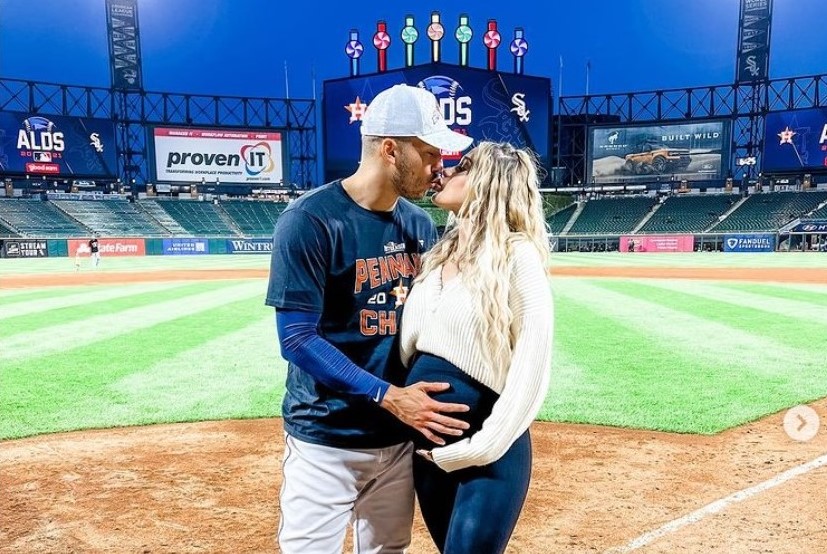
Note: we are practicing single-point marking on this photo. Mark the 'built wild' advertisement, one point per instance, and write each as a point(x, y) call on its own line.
point(691, 151)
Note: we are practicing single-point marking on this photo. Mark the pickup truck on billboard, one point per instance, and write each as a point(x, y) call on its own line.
point(656, 158)
point(693, 151)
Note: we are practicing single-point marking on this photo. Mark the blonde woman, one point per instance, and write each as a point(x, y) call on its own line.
point(480, 318)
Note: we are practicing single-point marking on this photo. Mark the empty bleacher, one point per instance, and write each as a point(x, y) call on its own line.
point(157, 213)
point(612, 215)
point(197, 218)
point(114, 218)
point(6, 232)
point(37, 218)
point(254, 218)
point(557, 221)
point(770, 211)
point(821, 213)
point(689, 214)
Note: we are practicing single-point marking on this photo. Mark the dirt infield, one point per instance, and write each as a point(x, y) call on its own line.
point(213, 487)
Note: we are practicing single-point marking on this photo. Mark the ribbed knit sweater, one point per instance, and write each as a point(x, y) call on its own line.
point(441, 319)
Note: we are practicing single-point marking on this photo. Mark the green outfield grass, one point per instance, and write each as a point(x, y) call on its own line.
point(672, 355)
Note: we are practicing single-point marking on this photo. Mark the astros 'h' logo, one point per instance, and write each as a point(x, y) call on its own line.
point(400, 291)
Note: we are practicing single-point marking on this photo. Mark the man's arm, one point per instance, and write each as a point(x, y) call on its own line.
point(302, 345)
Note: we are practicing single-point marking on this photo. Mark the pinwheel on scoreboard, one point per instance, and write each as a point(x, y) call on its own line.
point(519, 47)
point(409, 36)
point(492, 40)
point(381, 41)
point(463, 34)
point(435, 32)
point(354, 50)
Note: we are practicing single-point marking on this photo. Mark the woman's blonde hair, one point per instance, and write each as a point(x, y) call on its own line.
point(502, 208)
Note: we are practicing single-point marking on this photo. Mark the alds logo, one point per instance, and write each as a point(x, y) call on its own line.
point(40, 134)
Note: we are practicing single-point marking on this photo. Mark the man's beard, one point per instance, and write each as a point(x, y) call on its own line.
point(405, 182)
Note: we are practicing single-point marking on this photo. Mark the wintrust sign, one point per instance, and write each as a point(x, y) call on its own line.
point(192, 155)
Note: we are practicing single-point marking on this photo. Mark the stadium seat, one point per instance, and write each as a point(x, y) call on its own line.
point(114, 218)
point(6, 232)
point(37, 218)
point(689, 214)
point(255, 218)
point(201, 219)
point(612, 215)
point(557, 221)
point(770, 211)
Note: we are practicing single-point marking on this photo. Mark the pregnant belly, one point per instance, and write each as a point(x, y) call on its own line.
point(463, 390)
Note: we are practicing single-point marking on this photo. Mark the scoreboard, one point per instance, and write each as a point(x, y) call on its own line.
point(486, 105)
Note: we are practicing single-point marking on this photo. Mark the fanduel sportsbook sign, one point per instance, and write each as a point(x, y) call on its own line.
point(749, 243)
point(192, 155)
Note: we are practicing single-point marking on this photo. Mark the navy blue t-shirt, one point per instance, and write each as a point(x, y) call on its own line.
point(355, 267)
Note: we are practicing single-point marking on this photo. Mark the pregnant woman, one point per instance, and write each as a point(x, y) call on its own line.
point(480, 317)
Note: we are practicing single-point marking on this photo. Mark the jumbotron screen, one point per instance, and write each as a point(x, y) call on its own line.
point(486, 105)
point(795, 141)
point(57, 145)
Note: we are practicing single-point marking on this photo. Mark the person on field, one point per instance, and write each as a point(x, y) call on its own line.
point(480, 317)
point(343, 259)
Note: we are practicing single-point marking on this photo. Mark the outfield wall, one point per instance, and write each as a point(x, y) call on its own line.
point(746, 242)
point(132, 246)
point(192, 246)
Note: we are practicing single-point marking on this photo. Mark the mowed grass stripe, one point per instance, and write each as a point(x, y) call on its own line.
point(803, 333)
point(710, 290)
point(631, 379)
point(78, 307)
point(54, 338)
point(685, 332)
point(80, 298)
point(239, 374)
point(15, 296)
point(782, 373)
point(72, 390)
point(811, 296)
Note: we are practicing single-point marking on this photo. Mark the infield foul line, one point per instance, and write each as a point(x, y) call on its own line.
point(718, 505)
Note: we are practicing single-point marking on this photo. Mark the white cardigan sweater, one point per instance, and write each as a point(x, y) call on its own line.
point(441, 320)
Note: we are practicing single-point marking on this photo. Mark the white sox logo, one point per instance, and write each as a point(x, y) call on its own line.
point(752, 66)
point(520, 106)
point(96, 142)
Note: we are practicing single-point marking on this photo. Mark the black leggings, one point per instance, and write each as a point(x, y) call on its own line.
point(473, 510)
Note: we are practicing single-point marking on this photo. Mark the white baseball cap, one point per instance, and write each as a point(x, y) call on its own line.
point(406, 111)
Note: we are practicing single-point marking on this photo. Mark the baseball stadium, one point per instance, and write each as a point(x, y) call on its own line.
point(141, 387)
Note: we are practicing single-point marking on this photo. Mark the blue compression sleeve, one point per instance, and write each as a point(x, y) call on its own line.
point(302, 345)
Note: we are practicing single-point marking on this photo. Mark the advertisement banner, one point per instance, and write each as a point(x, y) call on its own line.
point(754, 23)
point(188, 155)
point(749, 243)
point(110, 247)
point(795, 141)
point(812, 226)
point(657, 243)
point(691, 151)
point(124, 43)
point(486, 105)
point(249, 246)
point(186, 247)
point(57, 145)
point(14, 248)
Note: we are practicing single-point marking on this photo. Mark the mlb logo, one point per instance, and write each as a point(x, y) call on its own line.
point(42, 156)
